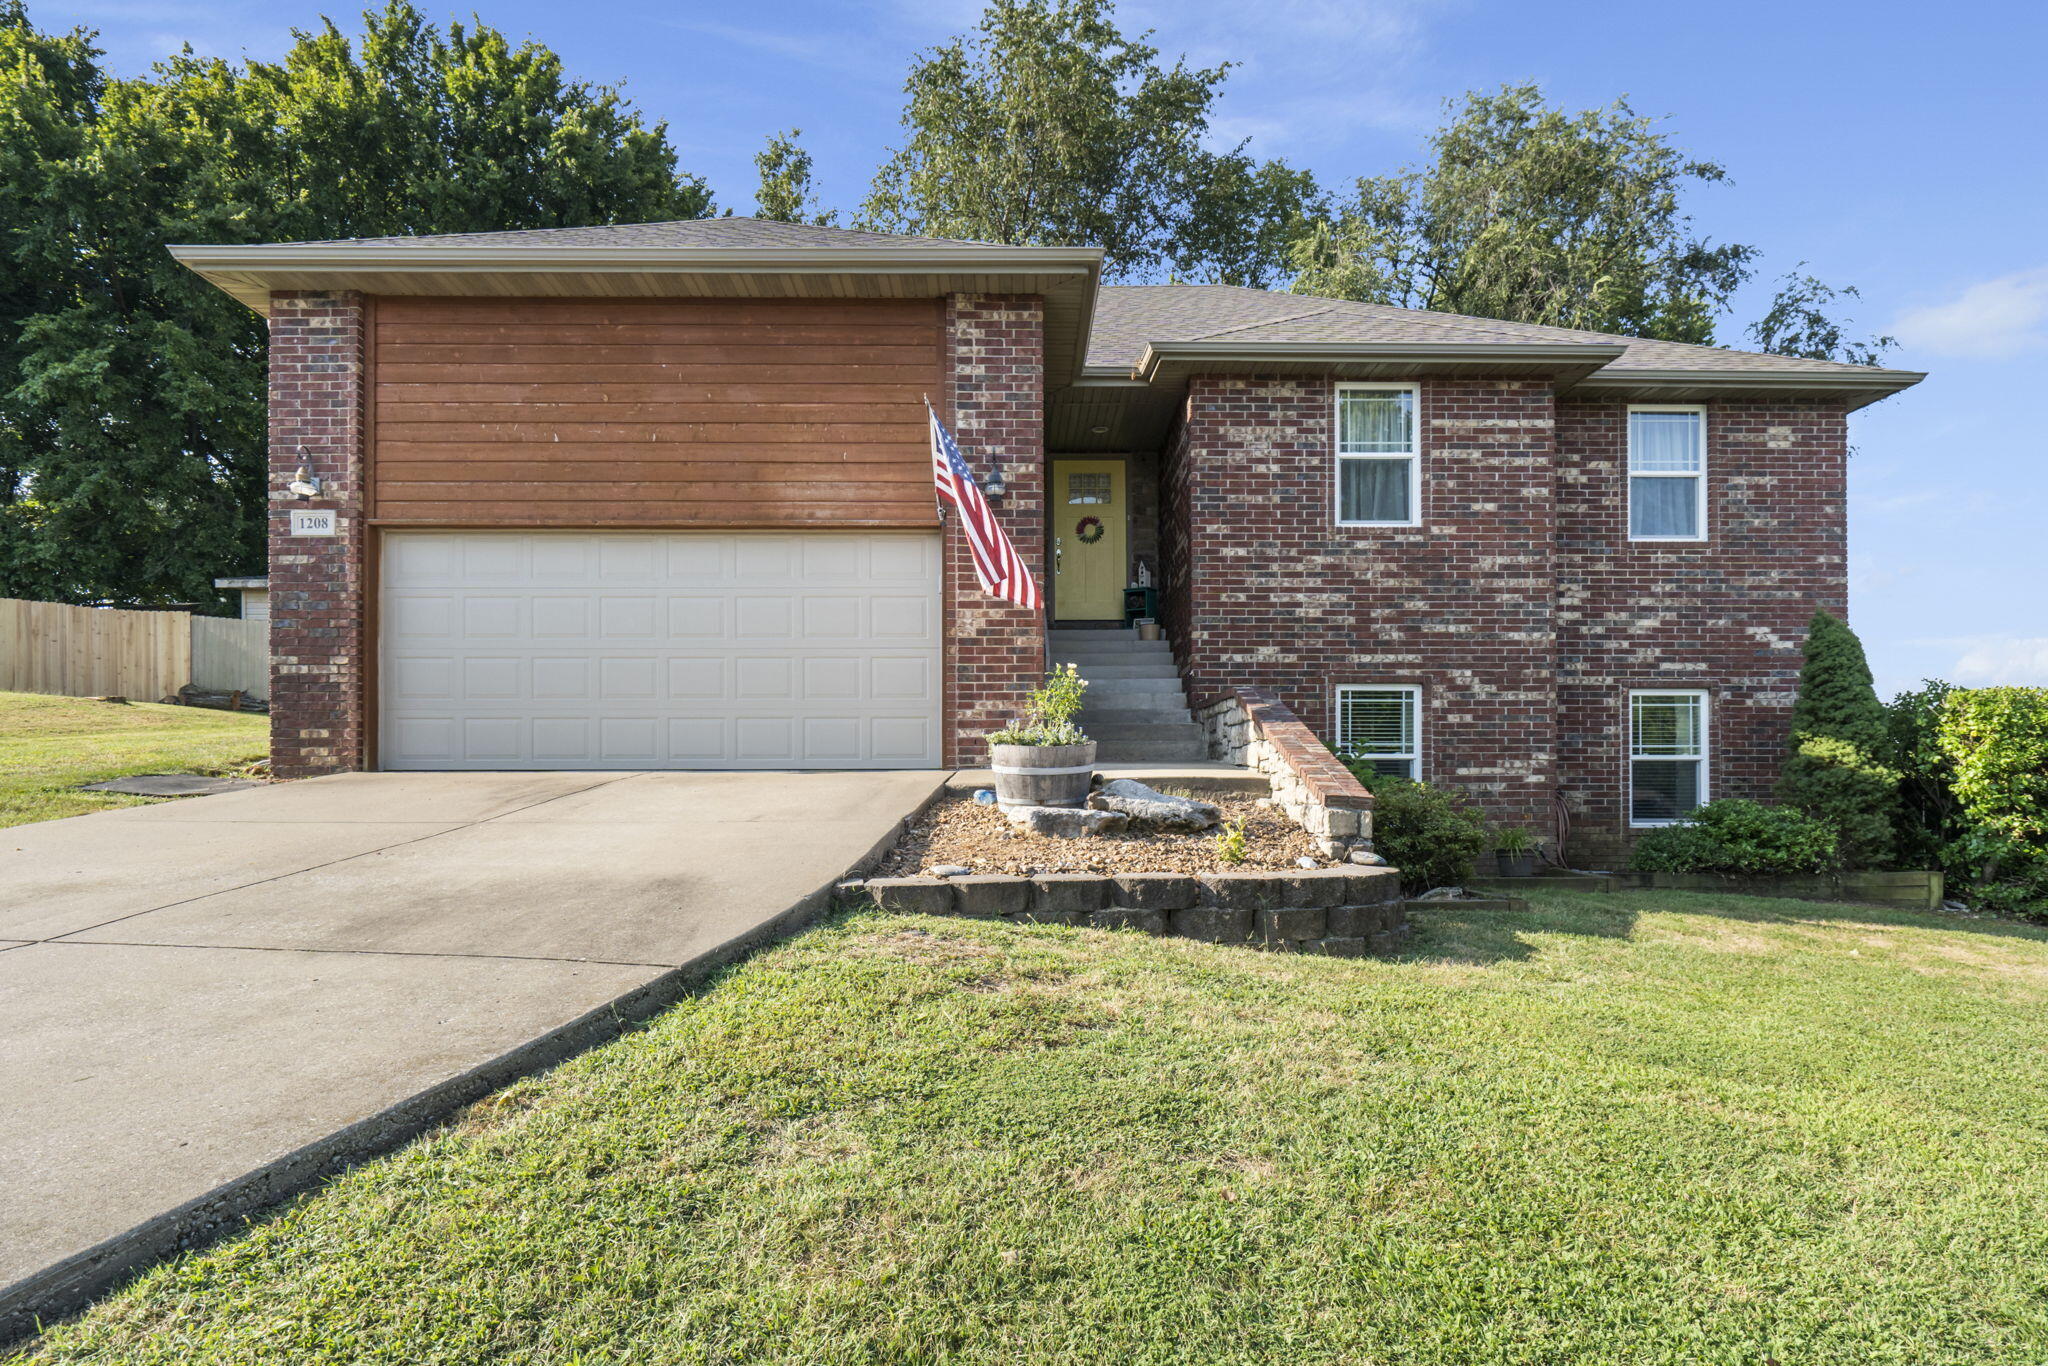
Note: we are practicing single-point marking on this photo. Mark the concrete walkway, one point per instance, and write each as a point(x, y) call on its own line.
point(209, 1003)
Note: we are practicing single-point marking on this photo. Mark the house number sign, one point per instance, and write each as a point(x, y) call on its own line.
point(315, 522)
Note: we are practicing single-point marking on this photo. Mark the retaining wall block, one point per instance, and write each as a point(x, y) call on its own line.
point(1240, 891)
point(1316, 887)
point(1289, 923)
point(1348, 922)
point(989, 895)
point(1215, 924)
point(1388, 941)
point(1083, 892)
point(1131, 918)
point(1366, 886)
point(1155, 891)
point(1345, 947)
point(911, 895)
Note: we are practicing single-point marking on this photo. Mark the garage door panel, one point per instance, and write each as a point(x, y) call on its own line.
point(627, 650)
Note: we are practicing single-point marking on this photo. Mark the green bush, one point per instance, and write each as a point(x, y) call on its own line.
point(1835, 770)
point(1930, 817)
point(1737, 836)
point(1432, 835)
point(1996, 741)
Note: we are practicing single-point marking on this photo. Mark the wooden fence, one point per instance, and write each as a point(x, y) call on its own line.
point(53, 647)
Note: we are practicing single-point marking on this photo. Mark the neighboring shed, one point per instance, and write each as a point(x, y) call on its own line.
point(255, 596)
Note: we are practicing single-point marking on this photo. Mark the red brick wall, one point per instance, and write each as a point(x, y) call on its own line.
point(1728, 617)
point(1278, 596)
point(995, 653)
point(317, 585)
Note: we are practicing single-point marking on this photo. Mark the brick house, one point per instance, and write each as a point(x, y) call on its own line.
point(658, 495)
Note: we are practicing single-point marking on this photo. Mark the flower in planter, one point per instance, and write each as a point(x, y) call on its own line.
point(1049, 712)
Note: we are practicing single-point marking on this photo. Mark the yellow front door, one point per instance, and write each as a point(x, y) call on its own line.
point(1088, 526)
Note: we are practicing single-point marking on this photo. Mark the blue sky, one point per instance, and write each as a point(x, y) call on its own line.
point(1894, 147)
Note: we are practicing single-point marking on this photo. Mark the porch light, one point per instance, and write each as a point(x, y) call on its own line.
point(994, 488)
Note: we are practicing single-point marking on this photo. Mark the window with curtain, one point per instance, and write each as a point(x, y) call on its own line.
point(1376, 455)
point(1383, 726)
point(1667, 756)
point(1667, 474)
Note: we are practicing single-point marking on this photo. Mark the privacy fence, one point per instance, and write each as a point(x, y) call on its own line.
point(53, 647)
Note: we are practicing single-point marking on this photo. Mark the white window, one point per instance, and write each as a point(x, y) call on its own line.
point(1379, 462)
point(1667, 756)
point(1384, 727)
point(1667, 474)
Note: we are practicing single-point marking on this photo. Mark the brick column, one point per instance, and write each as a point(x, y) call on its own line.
point(317, 584)
point(995, 401)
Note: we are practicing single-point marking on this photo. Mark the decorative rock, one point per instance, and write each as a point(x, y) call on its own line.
point(911, 895)
point(1130, 918)
point(1443, 894)
point(1070, 892)
point(1148, 806)
point(1292, 922)
point(1215, 924)
point(949, 870)
point(1317, 887)
point(1305, 862)
point(1156, 891)
point(989, 895)
point(1066, 822)
point(1239, 891)
point(1368, 858)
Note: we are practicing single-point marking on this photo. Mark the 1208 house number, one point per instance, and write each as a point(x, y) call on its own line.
point(315, 522)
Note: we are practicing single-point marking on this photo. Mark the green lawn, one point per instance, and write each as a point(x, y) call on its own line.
point(1655, 1127)
point(49, 745)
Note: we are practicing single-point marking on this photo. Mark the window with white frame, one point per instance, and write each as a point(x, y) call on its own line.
point(1382, 725)
point(1378, 456)
point(1667, 756)
point(1667, 474)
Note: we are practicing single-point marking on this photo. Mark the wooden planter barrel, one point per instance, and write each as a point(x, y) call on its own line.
point(1043, 775)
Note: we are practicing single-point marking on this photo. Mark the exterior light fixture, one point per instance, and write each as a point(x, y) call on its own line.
point(994, 488)
point(305, 483)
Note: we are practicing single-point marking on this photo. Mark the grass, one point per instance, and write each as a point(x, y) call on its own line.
point(1653, 1127)
point(50, 745)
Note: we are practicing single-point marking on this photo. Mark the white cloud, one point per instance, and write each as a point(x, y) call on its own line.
point(1994, 318)
point(2002, 659)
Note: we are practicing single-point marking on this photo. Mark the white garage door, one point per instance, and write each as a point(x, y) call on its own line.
point(665, 650)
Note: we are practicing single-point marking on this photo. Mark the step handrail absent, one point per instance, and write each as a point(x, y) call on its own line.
point(1255, 729)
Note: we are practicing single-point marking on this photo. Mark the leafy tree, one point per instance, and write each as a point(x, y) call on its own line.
point(131, 393)
point(1835, 770)
point(1797, 324)
point(1930, 817)
point(1050, 127)
point(1996, 741)
point(1532, 214)
point(785, 194)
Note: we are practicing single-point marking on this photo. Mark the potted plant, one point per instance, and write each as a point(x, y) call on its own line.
point(1514, 852)
point(1042, 758)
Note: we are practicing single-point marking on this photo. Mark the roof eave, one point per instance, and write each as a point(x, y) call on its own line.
point(1561, 359)
point(1858, 388)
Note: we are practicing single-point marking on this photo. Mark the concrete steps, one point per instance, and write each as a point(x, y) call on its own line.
point(1136, 710)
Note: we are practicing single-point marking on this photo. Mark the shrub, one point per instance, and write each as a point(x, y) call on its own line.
point(1996, 740)
point(1929, 816)
point(1049, 712)
point(1433, 836)
point(1737, 836)
point(1835, 771)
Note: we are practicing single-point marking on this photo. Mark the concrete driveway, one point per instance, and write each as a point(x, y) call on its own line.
point(210, 1002)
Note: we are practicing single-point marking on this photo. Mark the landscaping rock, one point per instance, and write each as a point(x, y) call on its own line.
point(1066, 822)
point(1065, 892)
point(911, 895)
point(1150, 807)
point(1293, 922)
point(1305, 862)
point(949, 870)
point(1368, 858)
point(1318, 887)
point(1443, 894)
point(1130, 918)
point(1156, 891)
point(1215, 924)
point(1240, 891)
point(991, 895)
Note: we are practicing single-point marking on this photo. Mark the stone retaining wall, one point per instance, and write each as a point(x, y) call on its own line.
point(1253, 728)
point(1342, 912)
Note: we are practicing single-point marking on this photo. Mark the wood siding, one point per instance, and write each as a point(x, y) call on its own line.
point(672, 413)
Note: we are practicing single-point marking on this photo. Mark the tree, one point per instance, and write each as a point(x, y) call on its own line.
point(785, 194)
point(1797, 324)
point(132, 460)
point(1532, 214)
point(1835, 769)
point(1049, 127)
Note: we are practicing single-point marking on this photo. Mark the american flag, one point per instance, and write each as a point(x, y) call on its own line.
point(996, 562)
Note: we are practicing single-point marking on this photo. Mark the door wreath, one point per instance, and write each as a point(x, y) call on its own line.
point(1088, 530)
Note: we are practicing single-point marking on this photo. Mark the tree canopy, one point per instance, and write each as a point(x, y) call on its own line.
point(132, 420)
point(785, 193)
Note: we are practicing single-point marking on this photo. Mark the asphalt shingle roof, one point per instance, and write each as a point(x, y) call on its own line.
point(1129, 317)
point(734, 234)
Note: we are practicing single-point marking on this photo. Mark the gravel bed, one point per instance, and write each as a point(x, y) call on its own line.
point(958, 830)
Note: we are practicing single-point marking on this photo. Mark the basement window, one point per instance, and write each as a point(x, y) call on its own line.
point(1383, 726)
point(1667, 756)
point(1379, 461)
point(1667, 474)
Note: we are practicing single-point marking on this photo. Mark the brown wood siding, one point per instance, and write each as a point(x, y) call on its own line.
point(658, 412)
